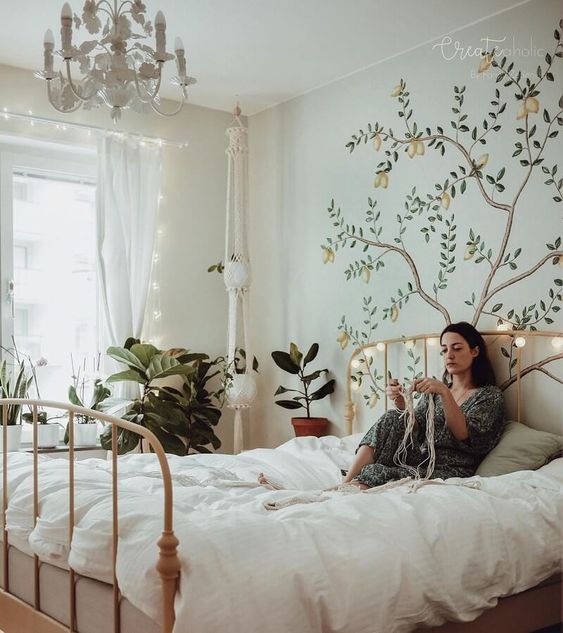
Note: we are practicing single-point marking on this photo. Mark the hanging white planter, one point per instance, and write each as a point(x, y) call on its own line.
point(14, 437)
point(241, 391)
point(237, 274)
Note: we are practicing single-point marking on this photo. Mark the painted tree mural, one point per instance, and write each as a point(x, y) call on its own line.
point(465, 145)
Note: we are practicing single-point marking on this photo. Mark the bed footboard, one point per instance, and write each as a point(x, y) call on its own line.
point(18, 617)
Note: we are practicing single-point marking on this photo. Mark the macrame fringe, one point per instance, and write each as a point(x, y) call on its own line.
point(400, 457)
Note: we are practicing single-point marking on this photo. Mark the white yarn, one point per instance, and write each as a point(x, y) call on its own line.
point(400, 457)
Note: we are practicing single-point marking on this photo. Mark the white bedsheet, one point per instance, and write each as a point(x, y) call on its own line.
point(380, 561)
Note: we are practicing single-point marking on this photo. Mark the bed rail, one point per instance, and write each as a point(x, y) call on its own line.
point(168, 565)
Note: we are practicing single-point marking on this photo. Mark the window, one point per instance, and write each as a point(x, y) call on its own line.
point(48, 253)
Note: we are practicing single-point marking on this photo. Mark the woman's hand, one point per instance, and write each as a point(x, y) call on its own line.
point(430, 385)
point(394, 393)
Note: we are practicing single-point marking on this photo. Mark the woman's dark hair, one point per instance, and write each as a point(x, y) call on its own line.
point(482, 372)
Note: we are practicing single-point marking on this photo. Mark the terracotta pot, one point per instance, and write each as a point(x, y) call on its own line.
point(310, 426)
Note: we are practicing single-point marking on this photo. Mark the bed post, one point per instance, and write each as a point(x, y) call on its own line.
point(168, 567)
point(349, 417)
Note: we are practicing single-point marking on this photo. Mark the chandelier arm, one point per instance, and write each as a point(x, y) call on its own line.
point(184, 98)
point(151, 97)
point(72, 87)
point(111, 11)
point(57, 108)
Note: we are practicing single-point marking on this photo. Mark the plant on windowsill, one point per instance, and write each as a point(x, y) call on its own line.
point(10, 388)
point(294, 363)
point(183, 416)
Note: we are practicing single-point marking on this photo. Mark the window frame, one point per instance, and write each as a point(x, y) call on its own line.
point(16, 153)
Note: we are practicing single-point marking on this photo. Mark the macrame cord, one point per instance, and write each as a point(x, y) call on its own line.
point(237, 274)
point(400, 457)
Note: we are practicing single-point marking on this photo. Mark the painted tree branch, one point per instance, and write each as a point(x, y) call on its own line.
point(513, 280)
point(530, 368)
point(418, 284)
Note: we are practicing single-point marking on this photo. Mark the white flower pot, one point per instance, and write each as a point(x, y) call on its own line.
point(14, 437)
point(47, 435)
point(85, 434)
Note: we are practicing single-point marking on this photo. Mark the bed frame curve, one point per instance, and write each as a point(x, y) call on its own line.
point(18, 617)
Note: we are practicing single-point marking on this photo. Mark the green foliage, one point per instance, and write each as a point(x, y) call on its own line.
point(182, 418)
point(14, 387)
point(293, 362)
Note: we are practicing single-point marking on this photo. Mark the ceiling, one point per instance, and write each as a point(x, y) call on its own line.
point(264, 51)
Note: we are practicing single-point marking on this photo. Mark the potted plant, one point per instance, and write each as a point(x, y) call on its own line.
point(10, 388)
point(47, 433)
point(295, 363)
point(182, 417)
point(86, 427)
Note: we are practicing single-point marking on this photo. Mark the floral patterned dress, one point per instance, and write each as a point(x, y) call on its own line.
point(484, 416)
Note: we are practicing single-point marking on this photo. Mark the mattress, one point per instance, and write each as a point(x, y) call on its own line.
point(94, 599)
point(305, 559)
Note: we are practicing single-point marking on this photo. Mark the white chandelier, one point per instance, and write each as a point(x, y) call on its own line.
point(117, 69)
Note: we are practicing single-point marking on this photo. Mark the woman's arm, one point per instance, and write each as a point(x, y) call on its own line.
point(455, 419)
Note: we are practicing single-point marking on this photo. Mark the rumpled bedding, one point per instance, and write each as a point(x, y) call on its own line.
point(299, 559)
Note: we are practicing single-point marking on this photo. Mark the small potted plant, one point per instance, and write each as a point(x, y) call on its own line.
point(295, 363)
point(13, 388)
point(86, 427)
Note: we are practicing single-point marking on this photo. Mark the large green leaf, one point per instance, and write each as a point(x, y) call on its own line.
point(295, 354)
point(311, 354)
point(323, 391)
point(191, 357)
point(283, 361)
point(310, 377)
point(73, 396)
point(126, 440)
point(289, 404)
point(127, 375)
point(144, 352)
point(162, 366)
point(125, 356)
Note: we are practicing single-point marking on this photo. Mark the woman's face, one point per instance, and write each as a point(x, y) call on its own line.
point(458, 356)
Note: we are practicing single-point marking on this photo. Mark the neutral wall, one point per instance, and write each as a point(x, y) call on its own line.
point(298, 162)
point(192, 302)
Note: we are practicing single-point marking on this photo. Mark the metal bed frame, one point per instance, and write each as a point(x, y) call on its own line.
point(19, 617)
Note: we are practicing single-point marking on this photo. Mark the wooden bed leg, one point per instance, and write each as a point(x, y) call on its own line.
point(168, 567)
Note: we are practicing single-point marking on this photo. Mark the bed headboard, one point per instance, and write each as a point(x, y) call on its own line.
point(525, 364)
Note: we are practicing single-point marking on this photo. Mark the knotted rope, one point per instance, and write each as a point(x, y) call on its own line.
point(400, 457)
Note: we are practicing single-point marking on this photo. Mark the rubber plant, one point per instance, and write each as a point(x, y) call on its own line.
point(295, 363)
point(182, 417)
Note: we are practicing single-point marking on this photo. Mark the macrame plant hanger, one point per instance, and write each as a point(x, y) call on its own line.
point(237, 274)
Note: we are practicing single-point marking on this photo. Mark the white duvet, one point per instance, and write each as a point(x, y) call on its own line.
point(374, 562)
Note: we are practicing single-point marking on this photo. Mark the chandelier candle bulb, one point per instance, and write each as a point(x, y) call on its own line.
point(519, 341)
point(160, 33)
point(380, 346)
point(180, 58)
point(66, 31)
point(557, 342)
point(48, 47)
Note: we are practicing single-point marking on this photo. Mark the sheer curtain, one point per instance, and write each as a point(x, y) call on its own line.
point(127, 212)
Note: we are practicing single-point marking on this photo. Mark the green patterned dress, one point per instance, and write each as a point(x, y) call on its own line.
point(484, 416)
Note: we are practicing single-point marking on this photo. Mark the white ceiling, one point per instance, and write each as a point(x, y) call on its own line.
point(264, 51)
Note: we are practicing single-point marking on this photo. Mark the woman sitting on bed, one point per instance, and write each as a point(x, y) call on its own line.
point(469, 417)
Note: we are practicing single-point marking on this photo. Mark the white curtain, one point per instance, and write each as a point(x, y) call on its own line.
point(127, 203)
